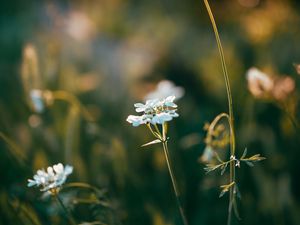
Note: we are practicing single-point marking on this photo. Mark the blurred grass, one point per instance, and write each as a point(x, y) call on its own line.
point(109, 54)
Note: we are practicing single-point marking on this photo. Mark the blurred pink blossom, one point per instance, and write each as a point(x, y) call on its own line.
point(259, 83)
point(283, 87)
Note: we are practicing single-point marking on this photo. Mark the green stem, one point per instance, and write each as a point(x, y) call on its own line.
point(174, 183)
point(153, 133)
point(68, 213)
point(230, 107)
point(173, 179)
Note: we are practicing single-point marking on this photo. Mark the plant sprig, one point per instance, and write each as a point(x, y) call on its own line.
point(233, 162)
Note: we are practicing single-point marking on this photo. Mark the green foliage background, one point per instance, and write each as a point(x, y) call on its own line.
point(109, 63)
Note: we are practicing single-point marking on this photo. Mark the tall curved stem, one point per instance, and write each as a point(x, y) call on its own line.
point(230, 107)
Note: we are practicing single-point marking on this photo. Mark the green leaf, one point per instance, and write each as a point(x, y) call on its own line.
point(156, 141)
point(211, 167)
point(222, 193)
point(235, 209)
point(237, 191)
point(224, 169)
point(249, 163)
point(244, 153)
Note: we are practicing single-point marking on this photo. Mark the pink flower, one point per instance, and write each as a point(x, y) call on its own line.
point(283, 87)
point(259, 83)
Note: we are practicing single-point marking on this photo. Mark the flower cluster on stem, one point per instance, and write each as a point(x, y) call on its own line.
point(52, 179)
point(155, 111)
point(159, 112)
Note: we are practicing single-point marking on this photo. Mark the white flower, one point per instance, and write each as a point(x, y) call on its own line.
point(154, 111)
point(37, 100)
point(135, 120)
point(169, 102)
point(53, 178)
point(40, 99)
point(148, 107)
point(164, 89)
point(160, 118)
point(259, 83)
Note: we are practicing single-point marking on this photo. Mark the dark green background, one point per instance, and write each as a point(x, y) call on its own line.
point(135, 44)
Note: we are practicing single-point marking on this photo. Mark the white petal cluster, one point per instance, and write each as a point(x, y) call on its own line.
point(164, 89)
point(54, 177)
point(156, 111)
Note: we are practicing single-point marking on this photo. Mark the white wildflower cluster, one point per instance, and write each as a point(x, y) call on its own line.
point(53, 178)
point(156, 111)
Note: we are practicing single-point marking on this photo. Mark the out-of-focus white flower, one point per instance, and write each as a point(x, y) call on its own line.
point(52, 179)
point(208, 154)
point(79, 26)
point(259, 83)
point(37, 100)
point(40, 99)
point(154, 111)
point(164, 89)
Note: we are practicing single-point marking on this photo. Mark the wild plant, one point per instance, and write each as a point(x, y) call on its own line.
point(217, 138)
point(53, 181)
point(38, 97)
point(156, 115)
